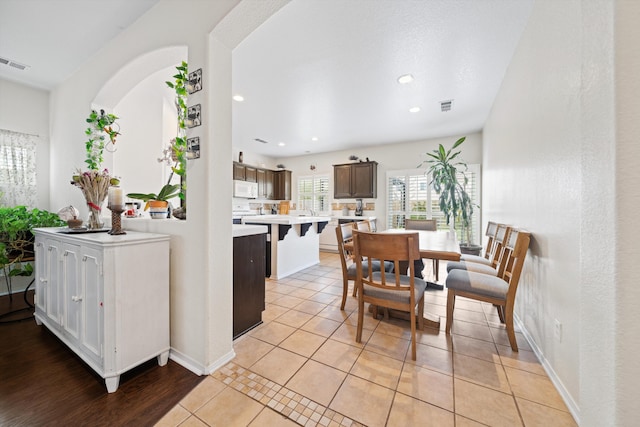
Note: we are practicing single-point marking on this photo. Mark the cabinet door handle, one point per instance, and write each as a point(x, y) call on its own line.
point(84, 258)
point(43, 281)
point(76, 298)
point(50, 248)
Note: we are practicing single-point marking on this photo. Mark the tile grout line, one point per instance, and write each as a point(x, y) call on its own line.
point(298, 408)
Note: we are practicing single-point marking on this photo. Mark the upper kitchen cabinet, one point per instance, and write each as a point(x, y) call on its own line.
point(282, 185)
point(250, 174)
point(355, 180)
point(265, 183)
point(244, 172)
point(238, 171)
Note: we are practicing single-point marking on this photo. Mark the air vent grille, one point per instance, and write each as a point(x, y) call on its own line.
point(446, 105)
point(13, 64)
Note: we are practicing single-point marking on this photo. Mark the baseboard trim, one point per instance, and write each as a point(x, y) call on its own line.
point(198, 368)
point(187, 362)
point(573, 407)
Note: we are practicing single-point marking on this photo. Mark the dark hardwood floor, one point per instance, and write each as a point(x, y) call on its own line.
point(42, 382)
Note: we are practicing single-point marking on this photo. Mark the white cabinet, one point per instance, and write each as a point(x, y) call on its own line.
point(328, 239)
point(106, 297)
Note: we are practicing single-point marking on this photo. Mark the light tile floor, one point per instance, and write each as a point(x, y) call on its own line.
point(302, 366)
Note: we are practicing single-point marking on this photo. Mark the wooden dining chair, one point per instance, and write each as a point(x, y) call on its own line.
point(499, 291)
point(364, 225)
point(429, 225)
point(389, 290)
point(493, 266)
point(344, 234)
point(490, 233)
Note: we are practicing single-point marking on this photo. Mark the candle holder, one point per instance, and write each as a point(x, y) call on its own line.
point(116, 220)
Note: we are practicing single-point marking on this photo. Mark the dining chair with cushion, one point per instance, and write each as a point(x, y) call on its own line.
point(487, 266)
point(492, 230)
point(344, 234)
point(394, 291)
point(429, 225)
point(499, 291)
point(364, 225)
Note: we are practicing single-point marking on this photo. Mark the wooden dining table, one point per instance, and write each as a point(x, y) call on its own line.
point(438, 245)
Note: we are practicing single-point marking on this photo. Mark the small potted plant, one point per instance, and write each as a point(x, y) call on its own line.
point(454, 201)
point(158, 203)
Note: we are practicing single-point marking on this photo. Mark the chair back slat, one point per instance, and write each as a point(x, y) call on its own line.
point(390, 247)
point(519, 243)
point(364, 225)
point(344, 234)
point(492, 230)
point(420, 224)
point(497, 252)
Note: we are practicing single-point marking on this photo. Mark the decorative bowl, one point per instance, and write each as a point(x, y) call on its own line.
point(74, 223)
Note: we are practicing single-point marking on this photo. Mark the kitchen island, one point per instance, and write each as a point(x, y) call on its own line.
point(293, 242)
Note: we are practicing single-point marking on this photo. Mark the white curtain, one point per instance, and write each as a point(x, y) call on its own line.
point(18, 169)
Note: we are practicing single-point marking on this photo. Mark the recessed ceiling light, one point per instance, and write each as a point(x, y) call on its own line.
point(281, 144)
point(238, 98)
point(414, 109)
point(314, 139)
point(404, 79)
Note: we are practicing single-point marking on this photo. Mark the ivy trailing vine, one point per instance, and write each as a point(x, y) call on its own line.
point(179, 145)
point(100, 127)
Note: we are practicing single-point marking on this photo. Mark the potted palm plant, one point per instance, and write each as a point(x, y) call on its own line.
point(454, 201)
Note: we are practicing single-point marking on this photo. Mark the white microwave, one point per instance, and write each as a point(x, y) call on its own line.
point(244, 189)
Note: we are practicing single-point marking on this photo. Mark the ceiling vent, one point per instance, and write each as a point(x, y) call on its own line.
point(261, 140)
point(446, 105)
point(13, 64)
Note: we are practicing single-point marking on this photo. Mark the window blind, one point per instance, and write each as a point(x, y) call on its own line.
point(313, 193)
point(409, 195)
point(18, 169)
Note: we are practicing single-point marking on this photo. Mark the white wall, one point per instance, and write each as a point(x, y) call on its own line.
point(148, 121)
point(25, 109)
point(561, 161)
point(627, 202)
point(200, 294)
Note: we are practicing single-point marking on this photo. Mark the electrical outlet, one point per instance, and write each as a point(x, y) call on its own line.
point(557, 330)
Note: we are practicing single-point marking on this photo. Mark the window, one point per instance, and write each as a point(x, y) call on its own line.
point(18, 169)
point(313, 193)
point(409, 195)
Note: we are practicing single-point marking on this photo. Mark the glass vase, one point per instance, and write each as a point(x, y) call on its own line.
point(94, 221)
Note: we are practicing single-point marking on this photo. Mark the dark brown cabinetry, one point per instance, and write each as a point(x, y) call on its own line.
point(272, 185)
point(250, 174)
point(248, 282)
point(268, 184)
point(282, 185)
point(355, 180)
point(239, 171)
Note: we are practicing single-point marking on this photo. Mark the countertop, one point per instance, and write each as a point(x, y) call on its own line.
point(240, 230)
point(285, 219)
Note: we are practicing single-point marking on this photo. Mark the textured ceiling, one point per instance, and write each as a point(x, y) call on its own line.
point(328, 69)
point(316, 68)
point(54, 37)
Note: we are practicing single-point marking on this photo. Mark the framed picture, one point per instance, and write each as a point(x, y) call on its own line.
point(193, 116)
point(195, 81)
point(193, 147)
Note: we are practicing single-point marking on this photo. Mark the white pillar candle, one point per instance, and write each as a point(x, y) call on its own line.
point(116, 198)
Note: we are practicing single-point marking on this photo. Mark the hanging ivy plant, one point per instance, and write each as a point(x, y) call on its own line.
point(179, 145)
point(101, 127)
